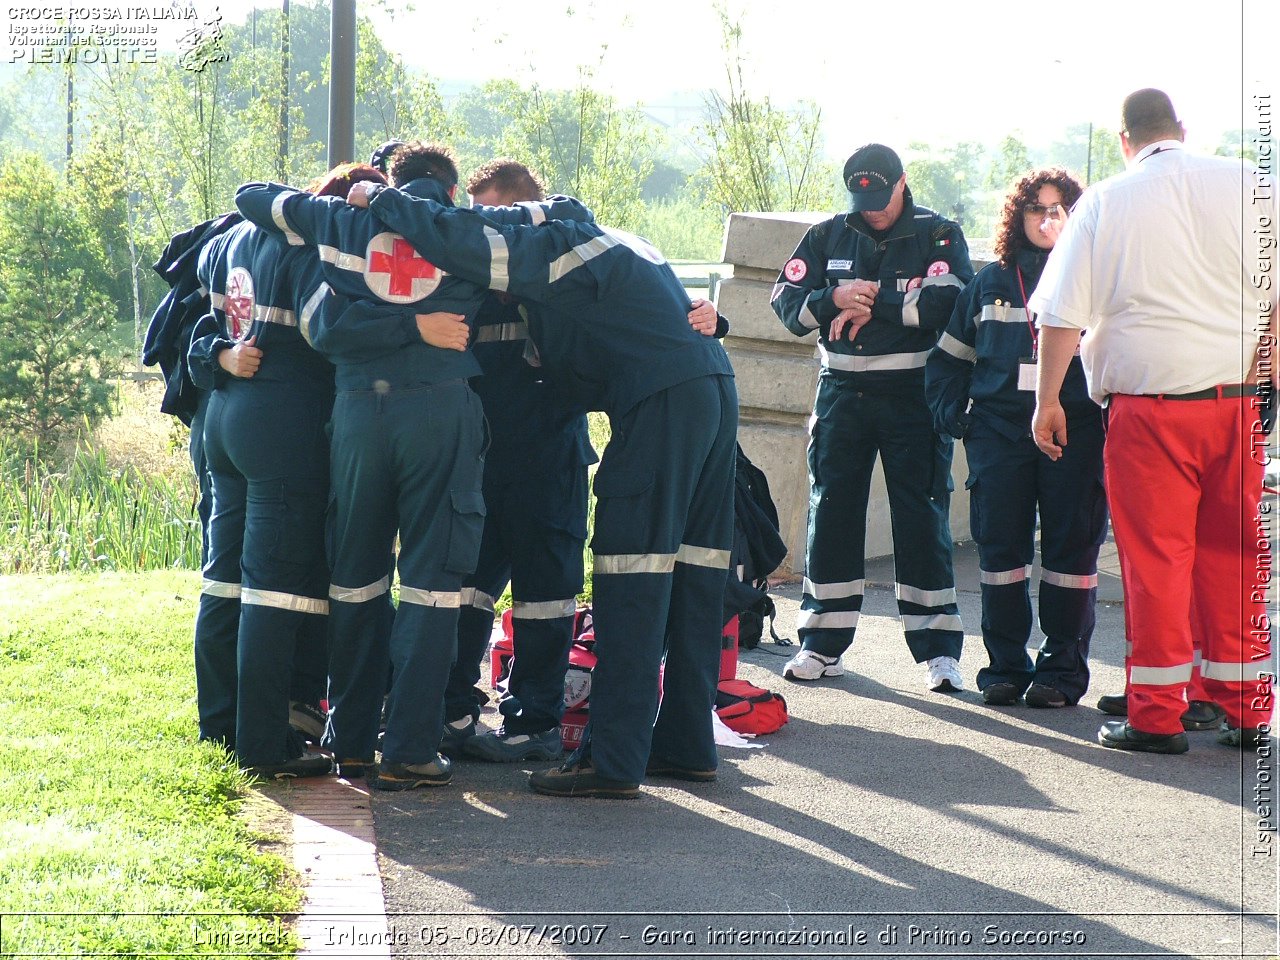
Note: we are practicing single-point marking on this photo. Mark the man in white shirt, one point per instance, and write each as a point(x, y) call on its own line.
point(1167, 267)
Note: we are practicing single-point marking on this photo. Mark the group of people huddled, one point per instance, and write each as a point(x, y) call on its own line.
point(390, 384)
point(1165, 401)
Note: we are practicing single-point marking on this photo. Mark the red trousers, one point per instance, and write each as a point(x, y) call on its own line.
point(1184, 480)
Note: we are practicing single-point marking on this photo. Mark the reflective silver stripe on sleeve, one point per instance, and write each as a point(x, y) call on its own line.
point(580, 255)
point(430, 598)
point(1160, 676)
point(1068, 580)
point(957, 348)
point(703, 557)
point(343, 261)
point(284, 601)
point(1231, 672)
point(911, 308)
point(1000, 578)
point(1001, 313)
point(834, 591)
point(499, 278)
point(359, 594)
point(219, 588)
point(543, 610)
point(496, 332)
point(925, 598)
point(835, 620)
point(217, 300)
point(937, 621)
point(280, 315)
point(204, 291)
point(635, 563)
point(277, 215)
point(942, 280)
point(471, 597)
point(537, 211)
point(859, 364)
point(308, 311)
point(806, 317)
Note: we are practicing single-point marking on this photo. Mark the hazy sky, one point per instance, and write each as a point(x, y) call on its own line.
point(896, 72)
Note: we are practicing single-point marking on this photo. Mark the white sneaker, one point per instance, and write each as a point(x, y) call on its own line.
point(944, 675)
point(807, 665)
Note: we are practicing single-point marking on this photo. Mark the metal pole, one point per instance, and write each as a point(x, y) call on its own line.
point(282, 159)
point(342, 82)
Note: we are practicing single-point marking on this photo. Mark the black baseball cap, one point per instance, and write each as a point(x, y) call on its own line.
point(871, 174)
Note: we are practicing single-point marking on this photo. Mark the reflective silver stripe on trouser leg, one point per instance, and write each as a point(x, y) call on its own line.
point(359, 594)
point(284, 601)
point(543, 609)
point(924, 598)
point(934, 621)
point(1161, 676)
point(1069, 581)
point(219, 588)
point(1001, 578)
point(471, 597)
point(430, 598)
point(703, 556)
point(623, 563)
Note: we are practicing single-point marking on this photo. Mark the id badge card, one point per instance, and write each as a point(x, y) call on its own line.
point(1027, 373)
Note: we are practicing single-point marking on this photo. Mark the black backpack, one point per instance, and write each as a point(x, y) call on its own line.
point(757, 551)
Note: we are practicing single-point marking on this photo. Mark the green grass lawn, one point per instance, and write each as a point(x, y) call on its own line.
point(109, 807)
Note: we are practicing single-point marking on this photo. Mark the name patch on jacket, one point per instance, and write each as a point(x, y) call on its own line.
point(396, 272)
point(839, 264)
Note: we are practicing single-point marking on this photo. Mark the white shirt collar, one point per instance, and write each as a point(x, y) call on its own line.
point(1153, 148)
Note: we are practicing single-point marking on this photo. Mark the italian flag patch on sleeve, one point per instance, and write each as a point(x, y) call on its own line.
point(942, 243)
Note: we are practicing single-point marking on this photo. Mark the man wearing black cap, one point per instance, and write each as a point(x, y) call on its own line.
point(878, 284)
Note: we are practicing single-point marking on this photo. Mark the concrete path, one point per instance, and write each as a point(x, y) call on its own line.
point(883, 820)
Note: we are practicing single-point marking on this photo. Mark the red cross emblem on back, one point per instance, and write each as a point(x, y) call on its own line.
point(237, 304)
point(396, 272)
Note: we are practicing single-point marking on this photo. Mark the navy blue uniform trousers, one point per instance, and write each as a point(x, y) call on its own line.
point(851, 425)
point(410, 460)
point(534, 532)
point(663, 532)
point(265, 575)
point(1009, 482)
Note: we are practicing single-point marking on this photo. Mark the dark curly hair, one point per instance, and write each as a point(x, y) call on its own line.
point(1010, 237)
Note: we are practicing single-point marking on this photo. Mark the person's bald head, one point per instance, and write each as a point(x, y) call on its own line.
point(1148, 116)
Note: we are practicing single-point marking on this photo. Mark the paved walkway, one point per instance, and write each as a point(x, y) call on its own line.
point(882, 821)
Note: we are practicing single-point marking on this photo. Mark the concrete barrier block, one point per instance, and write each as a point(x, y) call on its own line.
point(745, 303)
point(769, 381)
point(765, 240)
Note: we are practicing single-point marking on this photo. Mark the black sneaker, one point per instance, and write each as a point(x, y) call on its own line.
point(307, 719)
point(579, 779)
point(1203, 715)
point(1001, 694)
point(456, 734)
point(502, 746)
point(1043, 695)
point(1114, 705)
point(1118, 735)
point(307, 765)
point(409, 776)
point(657, 767)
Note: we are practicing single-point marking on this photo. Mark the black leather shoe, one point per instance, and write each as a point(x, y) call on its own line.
point(1118, 735)
point(579, 779)
point(1114, 705)
point(1001, 694)
point(658, 767)
point(1242, 738)
point(1043, 695)
point(1203, 715)
point(307, 765)
point(410, 776)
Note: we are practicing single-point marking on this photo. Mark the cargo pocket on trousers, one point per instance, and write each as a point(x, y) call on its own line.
point(465, 528)
point(975, 507)
point(941, 485)
point(623, 517)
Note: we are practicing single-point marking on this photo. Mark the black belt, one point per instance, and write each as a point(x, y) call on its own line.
point(1223, 391)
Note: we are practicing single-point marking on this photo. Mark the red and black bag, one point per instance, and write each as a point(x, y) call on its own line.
point(746, 708)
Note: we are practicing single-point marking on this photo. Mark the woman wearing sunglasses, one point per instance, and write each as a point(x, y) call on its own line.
point(980, 385)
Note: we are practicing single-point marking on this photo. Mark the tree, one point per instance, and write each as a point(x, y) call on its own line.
point(760, 157)
point(57, 347)
point(945, 178)
point(1012, 162)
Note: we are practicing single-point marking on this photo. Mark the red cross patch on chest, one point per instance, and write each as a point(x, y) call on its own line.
point(396, 272)
point(238, 303)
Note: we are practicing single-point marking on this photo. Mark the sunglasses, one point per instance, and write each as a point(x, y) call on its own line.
point(1053, 210)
